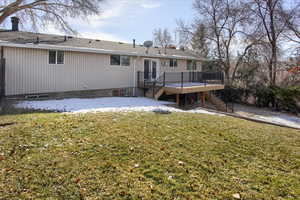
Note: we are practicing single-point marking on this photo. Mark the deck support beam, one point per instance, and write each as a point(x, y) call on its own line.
point(203, 95)
point(178, 99)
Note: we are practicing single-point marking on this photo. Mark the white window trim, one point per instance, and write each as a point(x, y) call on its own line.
point(56, 57)
point(120, 61)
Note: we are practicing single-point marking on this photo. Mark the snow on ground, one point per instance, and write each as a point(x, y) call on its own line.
point(105, 104)
point(130, 104)
point(281, 119)
point(267, 115)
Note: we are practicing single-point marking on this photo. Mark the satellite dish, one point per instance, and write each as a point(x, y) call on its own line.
point(148, 44)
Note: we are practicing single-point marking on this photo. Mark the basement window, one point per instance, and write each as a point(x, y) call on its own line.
point(56, 57)
point(173, 63)
point(120, 60)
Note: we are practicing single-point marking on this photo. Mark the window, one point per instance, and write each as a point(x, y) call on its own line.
point(115, 60)
point(56, 57)
point(125, 60)
point(60, 57)
point(120, 60)
point(191, 65)
point(52, 57)
point(173, 63)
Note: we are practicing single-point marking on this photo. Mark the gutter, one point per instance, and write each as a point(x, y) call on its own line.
point(93, 50)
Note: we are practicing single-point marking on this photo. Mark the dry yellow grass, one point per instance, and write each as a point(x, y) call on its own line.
point(146, 156)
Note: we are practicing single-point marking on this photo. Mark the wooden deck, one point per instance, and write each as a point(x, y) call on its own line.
point(186, 89)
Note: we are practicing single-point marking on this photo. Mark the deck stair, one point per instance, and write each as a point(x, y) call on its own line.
point(159, 93)
point(218, 103)
point(155, 92)
point(155, 88)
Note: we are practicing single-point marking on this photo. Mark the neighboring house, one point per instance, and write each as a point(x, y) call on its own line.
point(34, 63)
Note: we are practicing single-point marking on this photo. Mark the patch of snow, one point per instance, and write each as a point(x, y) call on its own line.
point(281, 119)
point(105, 104)
point(267, 115)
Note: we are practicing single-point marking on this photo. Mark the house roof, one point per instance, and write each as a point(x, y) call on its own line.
point(69, 43)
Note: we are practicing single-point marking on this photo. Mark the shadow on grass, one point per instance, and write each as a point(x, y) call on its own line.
point(7, 107)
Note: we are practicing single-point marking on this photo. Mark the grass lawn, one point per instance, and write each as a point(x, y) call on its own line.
point(146, 156)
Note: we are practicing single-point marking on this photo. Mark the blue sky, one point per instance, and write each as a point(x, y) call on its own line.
point(123, 20)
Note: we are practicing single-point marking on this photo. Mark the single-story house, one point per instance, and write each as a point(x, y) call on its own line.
point(45, 64)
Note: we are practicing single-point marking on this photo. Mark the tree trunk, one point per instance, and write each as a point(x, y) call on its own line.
point(273, 66)
point(227, 77)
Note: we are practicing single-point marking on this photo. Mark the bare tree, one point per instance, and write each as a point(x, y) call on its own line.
point(162, 38)
point(199, 41)
point(225, 22)
point(194, 36)
point(292, 19)
point(269, 16)
point(41, 12)
point(251, 73)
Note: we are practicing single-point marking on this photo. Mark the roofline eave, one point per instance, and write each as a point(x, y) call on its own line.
point(93, 50)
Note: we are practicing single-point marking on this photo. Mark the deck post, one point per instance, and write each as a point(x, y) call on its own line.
point(138, 79)
point(153, 89)
point(144, 80)
point(181, 79)
point(178, 99)
point(203, 98)
point(199, 97)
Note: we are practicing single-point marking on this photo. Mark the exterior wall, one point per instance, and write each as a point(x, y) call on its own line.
point(28, 72)
point(182, 65)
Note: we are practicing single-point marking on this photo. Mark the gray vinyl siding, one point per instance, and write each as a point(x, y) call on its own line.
point(28, 72)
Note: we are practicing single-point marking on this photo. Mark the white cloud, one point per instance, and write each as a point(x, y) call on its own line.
point(113, 12)
point(151, 5)
point(116, 9)
point(51, 29)
point(102, 36)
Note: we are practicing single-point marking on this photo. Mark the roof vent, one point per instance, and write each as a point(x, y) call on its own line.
point(15, 23)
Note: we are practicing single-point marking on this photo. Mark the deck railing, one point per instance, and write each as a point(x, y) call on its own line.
point(179, 78)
